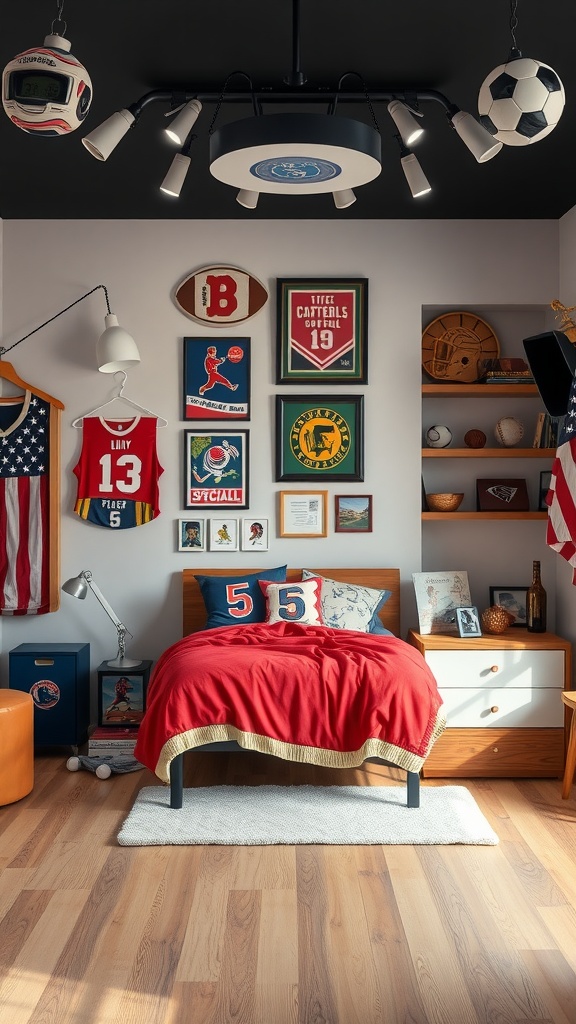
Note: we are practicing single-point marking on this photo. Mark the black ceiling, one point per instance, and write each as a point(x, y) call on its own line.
point(131, 47)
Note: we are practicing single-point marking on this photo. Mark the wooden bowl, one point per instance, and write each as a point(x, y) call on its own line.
point(444, 502)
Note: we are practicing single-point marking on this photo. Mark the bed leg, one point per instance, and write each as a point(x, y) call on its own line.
point(413, 789)
point(177, 782)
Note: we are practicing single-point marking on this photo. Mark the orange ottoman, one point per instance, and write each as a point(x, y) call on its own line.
point(16, 745)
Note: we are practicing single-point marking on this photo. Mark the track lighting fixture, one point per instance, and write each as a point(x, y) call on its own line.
point(184, 122)
point(417, 180)
point(344, 198)
point(403, 117)
point(248, 199)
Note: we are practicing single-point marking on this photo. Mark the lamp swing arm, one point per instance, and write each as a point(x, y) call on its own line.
point(120, 627)
point(56, 315)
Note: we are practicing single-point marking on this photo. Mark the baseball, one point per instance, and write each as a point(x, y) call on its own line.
point(508, 431)
point(438, 436)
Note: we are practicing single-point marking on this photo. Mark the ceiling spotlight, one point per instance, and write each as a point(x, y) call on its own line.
point(248, 199)
point(343, 198)
point(481, 144)
point(403, 117)
point(184, 122)
point(102, 140)
point(417, 180)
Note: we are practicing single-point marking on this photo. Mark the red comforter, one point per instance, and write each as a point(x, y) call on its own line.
point(304, 693)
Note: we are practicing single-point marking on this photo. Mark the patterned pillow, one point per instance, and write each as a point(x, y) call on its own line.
point(294, 602)
point(234, 600)
point(348, 606)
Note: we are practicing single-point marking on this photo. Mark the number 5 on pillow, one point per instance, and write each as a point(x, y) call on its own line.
point(293, 602)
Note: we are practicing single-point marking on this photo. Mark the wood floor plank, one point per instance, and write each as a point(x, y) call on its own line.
point(556, 982)
point(561, 923)
point(201, 953)
point(235, 995)
point(316, 988)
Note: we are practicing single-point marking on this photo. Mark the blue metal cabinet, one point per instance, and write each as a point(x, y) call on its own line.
point(58, 678)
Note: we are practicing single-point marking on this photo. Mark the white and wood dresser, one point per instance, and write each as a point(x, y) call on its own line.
point(505, 715)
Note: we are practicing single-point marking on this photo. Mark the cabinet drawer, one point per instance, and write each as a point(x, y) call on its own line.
point(497, 753)
point(530, 708)
point(503, 667)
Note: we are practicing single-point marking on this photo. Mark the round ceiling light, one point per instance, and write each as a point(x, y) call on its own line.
point(295, 154)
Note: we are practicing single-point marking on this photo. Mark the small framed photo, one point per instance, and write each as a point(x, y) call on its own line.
point(216, 469)
point(191, 535)
point(254, 533)
point(216, 379)
point(322, 331)
point(320, 438)
point(513, 599)
point(353, 513)
point(545, 478)
point(122, 694)
point(468, 622)
point(223, 534)
point(303, 513)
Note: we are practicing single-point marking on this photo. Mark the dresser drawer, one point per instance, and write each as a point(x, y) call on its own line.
point(490, 707)
point(497, 753)
point(504, 668)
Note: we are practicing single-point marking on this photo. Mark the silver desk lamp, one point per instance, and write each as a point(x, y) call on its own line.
point(78, 586)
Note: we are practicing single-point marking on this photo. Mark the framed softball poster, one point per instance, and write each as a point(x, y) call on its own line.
point(216, 379)
point(321, 439)
point(216, 469)
point(322, 331)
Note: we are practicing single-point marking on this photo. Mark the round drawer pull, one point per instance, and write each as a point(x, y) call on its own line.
point(494, 668)
point(494, 709)
point(495, 751)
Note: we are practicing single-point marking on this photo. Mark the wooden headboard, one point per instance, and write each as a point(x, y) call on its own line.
point(194, 612)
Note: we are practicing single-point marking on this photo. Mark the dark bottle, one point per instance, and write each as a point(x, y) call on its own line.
point(536, 603)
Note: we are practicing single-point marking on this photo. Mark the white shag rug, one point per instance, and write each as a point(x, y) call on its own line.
point(291, 815)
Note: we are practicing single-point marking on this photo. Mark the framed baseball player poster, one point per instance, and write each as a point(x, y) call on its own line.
point(216, 469)
point(322, 331)
point(216, 379)
point(320, 439)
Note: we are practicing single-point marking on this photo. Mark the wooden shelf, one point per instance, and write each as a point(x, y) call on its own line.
point(488, 453)
point(480, 390)
point(450, 516)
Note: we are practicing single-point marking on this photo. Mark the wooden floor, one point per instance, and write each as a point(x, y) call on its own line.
point(94, 933)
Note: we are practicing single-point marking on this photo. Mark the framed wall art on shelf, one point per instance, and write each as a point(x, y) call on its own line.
point(513, 600)
point(353, 513)
point(303, 513)
point(216, 469)
point(502, 495)
point(320, 440)
point(191, 535)
point(255, 533)
point(223, 534)
point(322, 331)
point(216, 379)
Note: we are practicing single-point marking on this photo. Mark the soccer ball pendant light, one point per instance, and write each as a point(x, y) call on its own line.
point(521, 101)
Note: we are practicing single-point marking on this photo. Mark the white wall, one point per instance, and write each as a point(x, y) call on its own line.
point(408, 264)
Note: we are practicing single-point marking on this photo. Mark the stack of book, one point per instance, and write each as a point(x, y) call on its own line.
point(111, 741)
point(547, 430)
point(506, 371)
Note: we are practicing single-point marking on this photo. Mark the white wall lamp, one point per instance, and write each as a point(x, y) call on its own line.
point(78, 586)
point(115, 348)
point(292, 153)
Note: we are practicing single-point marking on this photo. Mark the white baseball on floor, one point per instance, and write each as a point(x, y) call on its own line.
point(508, 431)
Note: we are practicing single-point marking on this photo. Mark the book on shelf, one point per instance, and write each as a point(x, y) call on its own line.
point(547, 431)
point(506, 371)
point(536, 443)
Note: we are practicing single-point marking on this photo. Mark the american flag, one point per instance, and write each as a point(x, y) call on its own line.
point(24, 549)
point(561, 497)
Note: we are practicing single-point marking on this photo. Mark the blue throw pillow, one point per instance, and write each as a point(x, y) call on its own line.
point(377, 628)
point(234, 600)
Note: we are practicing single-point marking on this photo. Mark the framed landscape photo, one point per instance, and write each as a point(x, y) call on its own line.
point(320, 439)
point(216, 379)
point(223, 534)
point(216, 469)
point(353, 513)
point(513, 600)
point(322, 330)
point(254, 535)
point(191, 535)
point(468, 622)
point(303, 513)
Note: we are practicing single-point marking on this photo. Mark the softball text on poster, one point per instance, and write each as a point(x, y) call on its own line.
point(216, 469)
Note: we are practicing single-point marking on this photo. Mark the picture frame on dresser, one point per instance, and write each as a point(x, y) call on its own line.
point(468, 622)
point(513, 600)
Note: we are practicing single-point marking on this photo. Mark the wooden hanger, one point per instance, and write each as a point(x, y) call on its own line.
point(121, 397)
point(7, 372)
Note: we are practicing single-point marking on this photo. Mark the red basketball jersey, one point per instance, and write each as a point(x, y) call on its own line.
point(118, 471)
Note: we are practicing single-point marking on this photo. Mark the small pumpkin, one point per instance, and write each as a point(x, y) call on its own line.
point(496, 619)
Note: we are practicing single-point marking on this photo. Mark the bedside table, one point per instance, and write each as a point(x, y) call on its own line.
point(58, 678)
point(504, 712)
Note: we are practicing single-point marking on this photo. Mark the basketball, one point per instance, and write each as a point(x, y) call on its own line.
point(475, 438)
